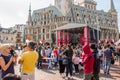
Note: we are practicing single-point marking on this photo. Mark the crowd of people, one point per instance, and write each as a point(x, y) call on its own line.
point(92, 58)
point(67, 59)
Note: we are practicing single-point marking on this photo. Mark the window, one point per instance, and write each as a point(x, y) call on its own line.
point(69, 19)
point(47, 29)
point(92, 7)
point(44, 16)
point(88, 6)
point(44, 22)
point(39, 30)
point(29, 32)
point(43, 30)
point(39, 37)
point(43, 37)
point(77, 14)
point(7, 38)
point(11, 38)
point(47, 36)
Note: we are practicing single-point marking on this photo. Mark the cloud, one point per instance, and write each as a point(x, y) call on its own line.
point(16, 11)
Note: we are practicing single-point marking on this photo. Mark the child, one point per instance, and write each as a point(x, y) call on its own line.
point(76, 61)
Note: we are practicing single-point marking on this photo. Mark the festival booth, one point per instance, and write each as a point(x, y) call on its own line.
point(74, 33)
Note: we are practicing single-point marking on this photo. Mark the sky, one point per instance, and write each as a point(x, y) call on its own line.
point(16, 11)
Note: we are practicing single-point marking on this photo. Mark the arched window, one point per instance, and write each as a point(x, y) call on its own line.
point(11, 38)
point(6, 38)
point(92, 7)
point(77, 14)
point(88, 6)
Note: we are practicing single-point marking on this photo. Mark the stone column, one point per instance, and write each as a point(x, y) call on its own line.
point(101, 35)
point(112, 34)
point(50, 33)
point(107, 35)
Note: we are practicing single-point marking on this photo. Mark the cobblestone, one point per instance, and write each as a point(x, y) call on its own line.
point(47, 74)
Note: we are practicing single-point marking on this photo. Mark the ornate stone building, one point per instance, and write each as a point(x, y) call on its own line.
point(9, 35)
point(20, 28)
point(41, 25)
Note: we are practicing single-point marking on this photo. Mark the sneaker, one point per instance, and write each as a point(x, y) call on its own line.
point(76, 73)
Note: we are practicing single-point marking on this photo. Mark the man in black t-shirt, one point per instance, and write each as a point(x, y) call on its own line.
point(96, 67)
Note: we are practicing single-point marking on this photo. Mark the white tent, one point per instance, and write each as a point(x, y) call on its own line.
point(116, 43)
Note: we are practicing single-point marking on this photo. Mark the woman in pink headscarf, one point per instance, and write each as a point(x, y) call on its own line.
point(87, 61)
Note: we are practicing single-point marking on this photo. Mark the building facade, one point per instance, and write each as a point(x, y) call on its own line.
point(20, 28)
point(10, 36)
point(41, 25)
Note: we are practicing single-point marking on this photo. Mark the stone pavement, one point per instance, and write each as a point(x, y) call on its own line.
point(47, 74)
point(114, 73)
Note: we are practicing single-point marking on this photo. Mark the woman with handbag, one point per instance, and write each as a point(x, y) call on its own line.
point(68, 54)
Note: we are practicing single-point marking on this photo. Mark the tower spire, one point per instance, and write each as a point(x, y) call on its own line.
point(29, 16)
point(112, 7)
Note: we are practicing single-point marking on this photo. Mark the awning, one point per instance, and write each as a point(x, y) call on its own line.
point(73, 26)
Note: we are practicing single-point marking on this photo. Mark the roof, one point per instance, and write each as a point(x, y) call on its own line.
point(72, 26)
point(55, 11)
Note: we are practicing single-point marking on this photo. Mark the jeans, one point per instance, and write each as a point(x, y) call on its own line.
point(55, 62)
point(76, 68)
point(61, 67)
point(107, 66)
point(69, 69)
